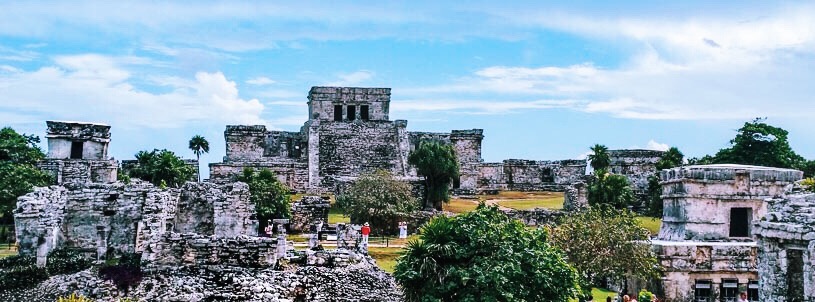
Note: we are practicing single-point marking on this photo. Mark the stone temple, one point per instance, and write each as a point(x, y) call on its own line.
point(349, 132)
point(706, 246)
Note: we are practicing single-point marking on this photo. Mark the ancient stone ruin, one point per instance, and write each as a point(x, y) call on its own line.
point(78, 153)
point(786, 239)
point(705, 246)
point(349, 132)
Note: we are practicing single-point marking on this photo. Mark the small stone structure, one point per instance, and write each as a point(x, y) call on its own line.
point(576, 197)
point(307, 211)
point(786, 239)
point(78, 153)
point(705, 245)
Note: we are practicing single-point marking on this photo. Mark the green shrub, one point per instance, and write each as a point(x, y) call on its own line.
point(645, 296)
point(66, 261)
point(16, 260)
point(22, 277)
point(126, 274)
point(808, 184)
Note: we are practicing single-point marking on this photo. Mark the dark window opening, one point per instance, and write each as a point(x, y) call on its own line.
point(740, 222)
point(730, 290)
point(752, 290)
point(352, 112)
point(702, 292)
point(795, 276)
point(76, 150)
point(338, 113)
point(113, 197)
point(456, 183)
point(363, 112)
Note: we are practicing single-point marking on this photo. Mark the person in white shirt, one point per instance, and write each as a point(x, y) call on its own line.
point(743, 297)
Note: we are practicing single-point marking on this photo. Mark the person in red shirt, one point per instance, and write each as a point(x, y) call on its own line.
point(366, 230)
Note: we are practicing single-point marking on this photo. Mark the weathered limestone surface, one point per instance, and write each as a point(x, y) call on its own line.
point(308, 211)
point(786, 238)
point(198, 250)
point(127, 218)
point(576, 197)
point(698, 199)
point(93, 137)
point(637, 165)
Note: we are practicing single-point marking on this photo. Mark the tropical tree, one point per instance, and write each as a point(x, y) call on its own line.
point(270, 196)
point(600, 158)
point(199, 145)
point(484, 255)
point(758, 143)
point(162, 168)
point(672, 158)
point(378, 198)
point(603, 242)
point(438, 164)
point(610, 189)
point(19, 154)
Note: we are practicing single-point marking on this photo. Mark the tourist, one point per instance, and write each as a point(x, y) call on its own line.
point(626, 298)
point(268, 229)
point(608, 298)
point(743, 297)
point(402, 230)
point(366, 230)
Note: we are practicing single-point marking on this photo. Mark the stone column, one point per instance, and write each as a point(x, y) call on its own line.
point(101, 243)
point(42, 250)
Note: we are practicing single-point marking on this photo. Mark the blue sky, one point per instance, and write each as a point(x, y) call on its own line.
point(544, 81)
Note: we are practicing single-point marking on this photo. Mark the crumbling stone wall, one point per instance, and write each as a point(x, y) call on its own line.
point(322, 102)
point(576, 197)
point(127, 217)
point(637, 165)
point(199, 250)
point(786, 238)
point(80, 171)
point(530, 175)
point(308, 211)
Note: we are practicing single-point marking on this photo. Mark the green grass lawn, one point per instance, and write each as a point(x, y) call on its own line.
point(460, 205)
point(600, 294)
point(552, 203)
point(650, 223)
point(6, 252)
point(385, 257)
point(337, 216)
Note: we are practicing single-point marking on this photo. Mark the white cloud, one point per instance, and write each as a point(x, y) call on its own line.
point(354, 78)
point(260, 81)
point(653, 145)
point(97, 88)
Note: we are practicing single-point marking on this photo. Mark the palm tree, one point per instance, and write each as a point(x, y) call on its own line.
point(199, 145)
point(599, 159)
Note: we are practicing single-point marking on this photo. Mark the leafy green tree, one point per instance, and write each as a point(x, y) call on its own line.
point(672, 158)
point(379, 199)
point(600, 158)
point(438, 164)
point(199, 145)
point(758, 143)
point(484, 255)
point(603, 242)
point(161, 167)
point(270, 196)
point(18, 174)
point(610, 189)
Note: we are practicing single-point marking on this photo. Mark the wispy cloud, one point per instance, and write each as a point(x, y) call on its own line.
point(98, 88)
point(260, 81)
point(353, 78)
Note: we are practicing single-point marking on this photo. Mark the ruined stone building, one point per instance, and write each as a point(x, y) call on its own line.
point(78, 153)
point(705, 245)
point(349, 132)
point(786, 252)
point(90, 211)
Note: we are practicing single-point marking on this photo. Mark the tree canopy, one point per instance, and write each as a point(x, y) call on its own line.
point(438, 164)
point(672, 158)
point(484, 255)
point(378, 198)
point(18, 174)
point(599, 159)
point(199, 145)
point(162, 168)
point(610, 189)
point(758, 143)
point(603, 242)
point(270, 196)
